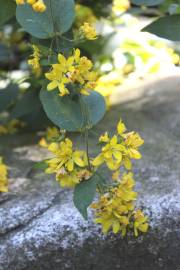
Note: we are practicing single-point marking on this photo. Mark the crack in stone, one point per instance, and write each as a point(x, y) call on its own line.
point(19, 227)
point(7, 198)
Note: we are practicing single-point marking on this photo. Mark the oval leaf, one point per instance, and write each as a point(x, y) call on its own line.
point(84, 194)
point(58, 18)
point(165, 27)
point(67, 114)
point(64, 45)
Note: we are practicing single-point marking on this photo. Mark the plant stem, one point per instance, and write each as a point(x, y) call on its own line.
point(54, 26)
point(87, 148)
point(85, 123)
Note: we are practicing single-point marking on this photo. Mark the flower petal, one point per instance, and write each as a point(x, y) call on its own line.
point(52, 85)
point(98, 160)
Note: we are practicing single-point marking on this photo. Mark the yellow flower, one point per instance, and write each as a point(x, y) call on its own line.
point(121, 128)
point(104, 138)
point(124, 191)
point(67, 179)
point(73, 70)
point(35, 61)
point(82, 72)
point(66, 65)
point(120, 149)
point(43, 143)
point(88, 31)
point(133, 141)
point(65, 157)
point(59, 75)
point(3, 177)
point(84, 65)
point(115, 209)
point(84, 174)
point(52, 134)
point(120, 6)
point(111, 154)
point(69, 165)
point(140, 222)
point(127, 163)
point(20, 2)
point(31, 2)
point(70, 179)
point(39, 6)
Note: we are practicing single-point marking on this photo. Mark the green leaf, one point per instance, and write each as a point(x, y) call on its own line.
point(42, 165)
point(66, 112)
point(147, 2)
point(7, 10)
point(58, 18)
point(165, 27)
point(28, 103)
point(84, 194)
point(63, 43)
point(7, 96)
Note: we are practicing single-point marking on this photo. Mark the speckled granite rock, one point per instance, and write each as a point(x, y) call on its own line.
point(41, 230)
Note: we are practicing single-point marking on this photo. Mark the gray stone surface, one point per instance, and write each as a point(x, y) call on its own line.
point(41, 230)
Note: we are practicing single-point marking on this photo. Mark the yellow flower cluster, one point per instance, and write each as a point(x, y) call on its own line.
point(116, 209)
point(120, 149)
point(74, 70)
point(11, 127)
point(88, 31)
point(69, 165)
point(35, 61)
point(37, 5)
point(3, 176)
